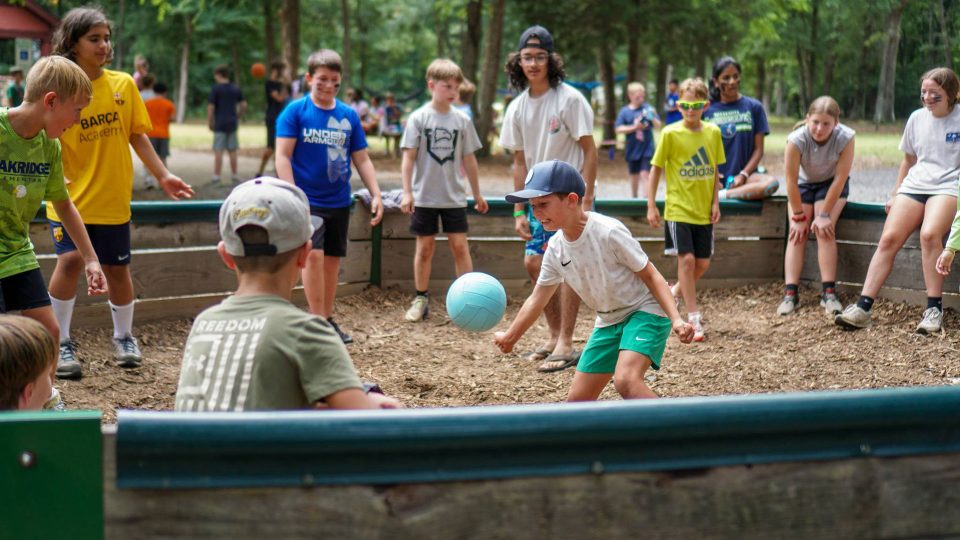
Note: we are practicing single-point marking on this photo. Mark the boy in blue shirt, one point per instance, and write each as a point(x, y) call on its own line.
point(317, 138)
point(637, 120)
point(673, 112)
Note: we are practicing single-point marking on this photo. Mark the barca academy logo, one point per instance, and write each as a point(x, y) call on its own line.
point(118, 98)
point(58, 234)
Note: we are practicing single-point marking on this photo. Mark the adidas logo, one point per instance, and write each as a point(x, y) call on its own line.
point(698, 165)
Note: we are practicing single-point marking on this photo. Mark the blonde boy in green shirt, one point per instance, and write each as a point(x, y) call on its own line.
point(690, 153)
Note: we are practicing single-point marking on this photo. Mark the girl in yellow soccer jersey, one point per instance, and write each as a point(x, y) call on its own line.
point(98, 169)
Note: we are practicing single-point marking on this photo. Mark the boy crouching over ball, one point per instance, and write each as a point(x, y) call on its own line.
point(256, 350)
point(605, 266)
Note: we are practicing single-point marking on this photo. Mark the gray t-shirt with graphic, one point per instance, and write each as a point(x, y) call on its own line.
point(936, 143)
point(818, 162)
point(261, 353)
point(441, 140)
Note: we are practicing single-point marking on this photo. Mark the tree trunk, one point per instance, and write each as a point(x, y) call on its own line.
point(761, 81)
point(633, 52)
point(605, 58)
point(829, 65)
point(888, 66)
point(119, 49)
point(643, 65)
point(470, 43)
point(944, 34)
point(290, 30)
point(781, 108)
point(489, 77)
point(345, 48)
point(269, 30)
point(184, 69)
point(803, 72)
point(664, 72)
point(859, 109)
point(361, 46)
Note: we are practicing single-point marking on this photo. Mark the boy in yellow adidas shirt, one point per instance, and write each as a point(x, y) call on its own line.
point(690, 152)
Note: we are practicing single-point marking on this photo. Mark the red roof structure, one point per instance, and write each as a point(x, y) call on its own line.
point(27, 20)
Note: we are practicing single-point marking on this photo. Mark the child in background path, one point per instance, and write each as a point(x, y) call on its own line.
point(57, 90)
point(673, 113)
point(438, 139)
point(98, 168)
point(225, 107)
point(256, 350)
point(817, 162)
point(637, 120)
point(27, 354)
point(317, 138)
point(162, 111)
point(598, 257)
point(690, 153)
point(277, 95)
point(925, 196)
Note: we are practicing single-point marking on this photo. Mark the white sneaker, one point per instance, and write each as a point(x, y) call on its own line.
point(932, 321)
point(831, 304)
point(788, 304)
point(853, 318)
point(698, 333)
point(419, 309)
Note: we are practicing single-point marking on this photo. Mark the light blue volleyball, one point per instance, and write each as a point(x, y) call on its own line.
point(476, 302)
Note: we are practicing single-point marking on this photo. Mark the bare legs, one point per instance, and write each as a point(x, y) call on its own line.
point(628, 379)
point(758, 186)
point(826, 247)
point(320, 282)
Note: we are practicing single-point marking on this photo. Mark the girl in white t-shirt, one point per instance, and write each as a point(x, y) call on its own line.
point(925, 196)
point(817, 161)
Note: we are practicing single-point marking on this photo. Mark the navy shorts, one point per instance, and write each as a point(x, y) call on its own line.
point(811, 193)
point(23, 291)
point(110, 242)
point(681, 238)
point(424, 221)
point(272, 134)
point(635, 167)
point(161, 147)
point(330, 227)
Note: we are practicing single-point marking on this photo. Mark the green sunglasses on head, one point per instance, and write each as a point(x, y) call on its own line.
point(692, 105)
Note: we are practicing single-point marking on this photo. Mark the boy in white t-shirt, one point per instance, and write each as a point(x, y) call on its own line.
point(599, 259)
point(437, 141)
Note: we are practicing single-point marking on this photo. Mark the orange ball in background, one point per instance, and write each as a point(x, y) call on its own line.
point(258, 70)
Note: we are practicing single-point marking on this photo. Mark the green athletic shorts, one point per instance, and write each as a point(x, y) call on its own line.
point(640, 332)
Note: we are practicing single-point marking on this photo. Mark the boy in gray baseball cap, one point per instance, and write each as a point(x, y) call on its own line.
point(598, 258)
point(256, 350)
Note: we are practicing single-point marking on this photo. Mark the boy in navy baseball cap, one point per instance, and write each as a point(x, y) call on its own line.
point(598, 257)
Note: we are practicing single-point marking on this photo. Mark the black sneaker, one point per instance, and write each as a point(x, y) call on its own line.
point(344, 337)
point(126, 352)
point(68, 365)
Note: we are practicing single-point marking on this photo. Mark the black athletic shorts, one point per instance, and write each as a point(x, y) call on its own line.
point(681, 238)
point(25, 290)
point(110, 242)
point(330, 227)
point(424, 221)
point(272, 134)
point(811, 193)
point(638, 166)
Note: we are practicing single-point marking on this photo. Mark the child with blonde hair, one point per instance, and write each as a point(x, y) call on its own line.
point(690, 154)
point(31, 171)
point(817, 162)
point(637, 120)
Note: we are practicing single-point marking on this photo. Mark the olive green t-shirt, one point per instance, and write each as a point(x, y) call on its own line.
point(261, 353)
point(30, 171)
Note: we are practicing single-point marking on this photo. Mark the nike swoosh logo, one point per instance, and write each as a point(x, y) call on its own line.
point(123, 257)
point(566, 263)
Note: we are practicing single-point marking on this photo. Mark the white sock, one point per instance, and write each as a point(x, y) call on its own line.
point(722, 194)
point(122, 320)
point(63, 311)
point(693, 316)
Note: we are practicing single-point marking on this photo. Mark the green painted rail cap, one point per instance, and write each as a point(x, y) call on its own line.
point(181, 450)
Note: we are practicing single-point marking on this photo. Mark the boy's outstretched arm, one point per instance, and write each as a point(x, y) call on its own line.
point(361, 159)
point(96, 282)
point(282, 158)
point(529, 313)
point(473, 176)
point(654, 281)
point(172, 185)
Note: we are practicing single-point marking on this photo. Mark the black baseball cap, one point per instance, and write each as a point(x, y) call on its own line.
point(548, 177)
point(539, 33)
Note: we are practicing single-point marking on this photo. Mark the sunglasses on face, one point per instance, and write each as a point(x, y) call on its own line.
point(691, 105)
